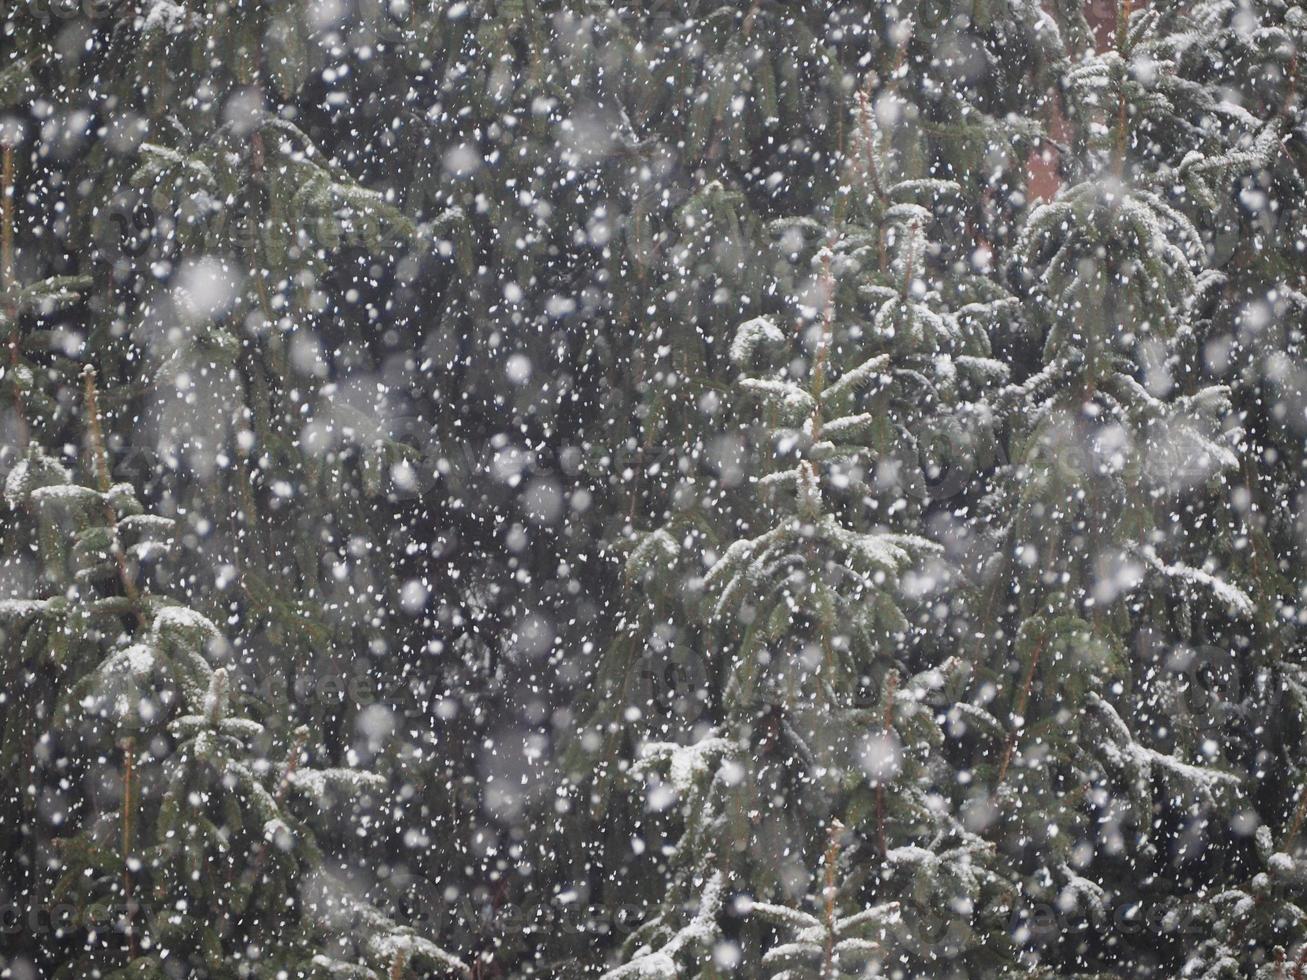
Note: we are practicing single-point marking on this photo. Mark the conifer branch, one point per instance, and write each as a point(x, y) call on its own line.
point(8, 284)
point(258, 162)
point(1119, 142)
point(129, 786)
point(824, 342)
point(749, 18)
point(1291, 90)
point(908, 270)
point(95, 431)
point(887, 725)
point(1018, 713)
point(252, 533)
point(279, 797)
point(100, 463)
point(1299, 969)
point(1299, 813)
point(869, 144)
point(872, 172)
point(7, 225)
point(832, 855)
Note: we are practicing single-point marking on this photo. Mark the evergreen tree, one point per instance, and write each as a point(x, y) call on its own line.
point(1094, 581)
point(191, 854)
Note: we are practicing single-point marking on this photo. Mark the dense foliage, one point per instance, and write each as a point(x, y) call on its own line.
point(579, 488)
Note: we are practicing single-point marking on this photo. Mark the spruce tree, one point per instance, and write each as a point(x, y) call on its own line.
point(1094, 463)
point(187, 851)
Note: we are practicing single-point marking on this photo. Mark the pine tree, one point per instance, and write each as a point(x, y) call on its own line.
point(1092, 558)
point(807, 608)
point(196, 853)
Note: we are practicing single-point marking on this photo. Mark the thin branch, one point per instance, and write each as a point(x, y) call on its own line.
point(1019, 713)
point(129, 783)
point(1122, 35)
point(7, 284)
point(100, 462)
point(1299, 813)
point(283, 787)
point(832, 854)
point(891, 685)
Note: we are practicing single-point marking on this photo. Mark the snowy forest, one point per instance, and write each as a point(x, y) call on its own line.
point(612, 489)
